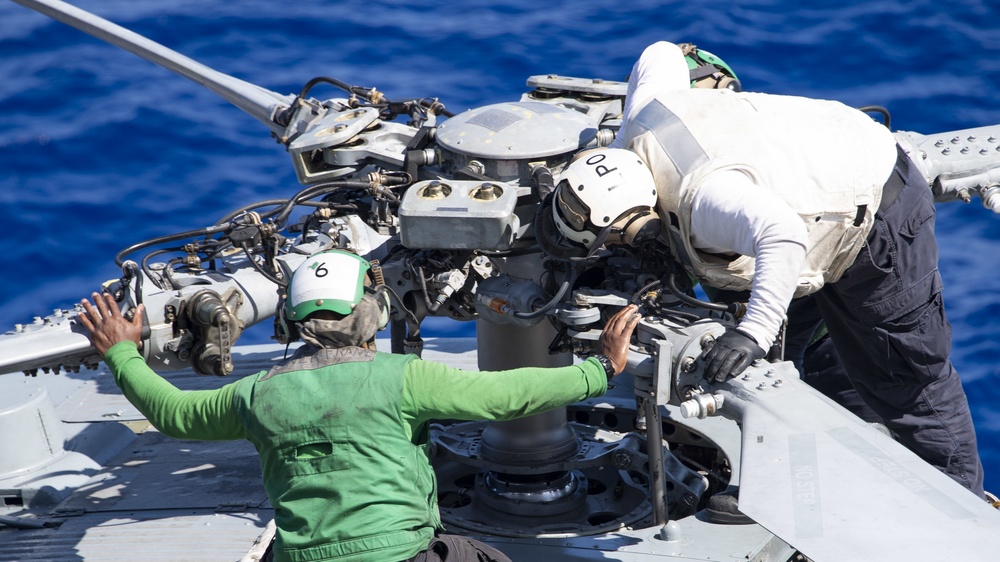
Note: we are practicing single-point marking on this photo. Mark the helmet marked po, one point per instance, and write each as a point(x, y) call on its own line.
point(601, 191)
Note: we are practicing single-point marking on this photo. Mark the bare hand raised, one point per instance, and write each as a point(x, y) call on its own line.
point(616, 335)
point(106, 324)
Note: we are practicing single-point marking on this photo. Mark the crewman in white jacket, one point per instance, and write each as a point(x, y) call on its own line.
point(786, 197)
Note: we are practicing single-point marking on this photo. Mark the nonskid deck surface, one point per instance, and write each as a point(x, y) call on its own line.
point(155, 498)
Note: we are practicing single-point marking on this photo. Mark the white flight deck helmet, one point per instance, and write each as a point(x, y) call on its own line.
point(335, 281)
point(606, 195)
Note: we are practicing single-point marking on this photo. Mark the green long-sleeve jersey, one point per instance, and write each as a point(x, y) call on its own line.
point(342, 436)
point(431, 391)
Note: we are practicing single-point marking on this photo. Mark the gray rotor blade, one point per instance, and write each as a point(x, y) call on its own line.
point(838, 489)
point(259, 102)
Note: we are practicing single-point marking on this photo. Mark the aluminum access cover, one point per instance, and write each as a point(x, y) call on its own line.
point(516, 130)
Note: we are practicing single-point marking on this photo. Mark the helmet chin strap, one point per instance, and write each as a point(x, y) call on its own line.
point(602, 237)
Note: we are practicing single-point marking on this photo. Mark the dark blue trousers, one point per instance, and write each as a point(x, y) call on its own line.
point(886, 318)
point(809, 347)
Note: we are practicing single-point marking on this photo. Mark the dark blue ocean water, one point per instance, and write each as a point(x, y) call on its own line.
point(99, 149)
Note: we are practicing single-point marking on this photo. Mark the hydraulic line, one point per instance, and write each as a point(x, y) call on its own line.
point(887, 121)
point(683, 297)
point(570, 278)
point(119, 257)
point(370, 95)
point(168, 272)
point(679, 316)
point(315, 191)
point(644, 289)
point(260, 269)
point(151, 255)
point(278, 203)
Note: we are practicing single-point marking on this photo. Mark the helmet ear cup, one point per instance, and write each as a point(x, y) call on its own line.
point(285, 331)
point(643, 227)
point(384, 306)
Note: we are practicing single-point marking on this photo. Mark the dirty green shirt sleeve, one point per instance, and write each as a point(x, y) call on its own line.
point(183, 414)
point(433, 390)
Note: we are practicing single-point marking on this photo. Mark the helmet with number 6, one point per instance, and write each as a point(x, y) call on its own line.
point(333, 280)
point(606, 195)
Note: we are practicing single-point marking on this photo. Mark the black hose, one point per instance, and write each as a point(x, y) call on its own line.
point(315, 191)
point(119, 261)
point(431, 105)
point(260, 269)
point(570, 277)
point(321, 79)
point(145, 264)
point(258, 204)
point(423, 285)
point(686, 299)
point(679, 316)
point(645, 288)
point(437, 108)
point(168, 272)
point(881, 110)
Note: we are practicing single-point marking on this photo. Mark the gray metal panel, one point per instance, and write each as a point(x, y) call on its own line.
point(838, 489)
point(150, 536)
point(160, 499)
point(697, 540)
point(516, 130)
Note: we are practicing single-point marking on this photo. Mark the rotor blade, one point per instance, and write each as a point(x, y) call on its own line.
point(838, 489)
point(959, 163)
point(259, 102)
point(48, 344)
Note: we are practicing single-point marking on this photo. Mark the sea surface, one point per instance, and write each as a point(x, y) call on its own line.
point(100, 149)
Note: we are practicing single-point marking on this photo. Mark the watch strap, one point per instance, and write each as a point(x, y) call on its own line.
point(609, 368)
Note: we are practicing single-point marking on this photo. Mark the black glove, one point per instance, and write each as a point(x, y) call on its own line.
point(732, 353)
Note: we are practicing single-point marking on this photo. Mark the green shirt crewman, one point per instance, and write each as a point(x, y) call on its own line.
point(341, 429)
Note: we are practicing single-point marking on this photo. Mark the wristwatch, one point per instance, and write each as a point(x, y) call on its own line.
point(609, 368)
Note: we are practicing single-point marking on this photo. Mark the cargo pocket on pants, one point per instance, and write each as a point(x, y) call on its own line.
point(915, 347)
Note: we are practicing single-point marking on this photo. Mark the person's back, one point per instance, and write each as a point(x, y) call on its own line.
point(345, 478)
point(790, 144)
